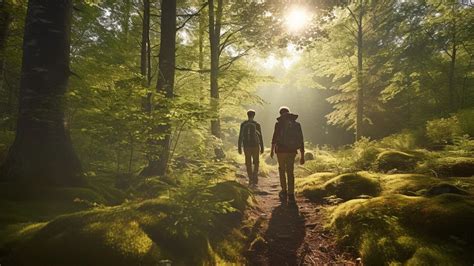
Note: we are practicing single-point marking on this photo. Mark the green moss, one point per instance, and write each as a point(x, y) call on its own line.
point(402, 229)
point(346, 186)
point(315, 179)
point(453, 166)
point(239, 195)
point(389, 160)
point(136, 233)
point(406, 183)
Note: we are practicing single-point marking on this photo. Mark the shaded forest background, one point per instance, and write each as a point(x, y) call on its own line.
point(416, 66)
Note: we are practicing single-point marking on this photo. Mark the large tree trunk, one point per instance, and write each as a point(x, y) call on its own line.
point(145, 46)
point(214, 38)
point(165, 84)
point(42, 152)
point(360, 78)
point(4, 25)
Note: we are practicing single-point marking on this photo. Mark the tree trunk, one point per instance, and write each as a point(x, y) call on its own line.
point(165, 84)
point(126, 21)
point(360, 78)
point(4, 25)
point(145, 47)
point(202, 31)
point(214, 38)
point(42, 152)
point(452, 65)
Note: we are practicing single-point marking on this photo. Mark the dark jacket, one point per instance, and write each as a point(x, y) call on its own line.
point(277, 133)
point(241, 137)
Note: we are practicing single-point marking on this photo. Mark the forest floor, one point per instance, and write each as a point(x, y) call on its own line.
point(289, 234)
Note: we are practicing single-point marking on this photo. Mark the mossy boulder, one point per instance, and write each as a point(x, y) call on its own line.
point(406, 184)
point(140, 233)
point(346, 187)
point(454, 166)
point(390, 160)
point(408, 230)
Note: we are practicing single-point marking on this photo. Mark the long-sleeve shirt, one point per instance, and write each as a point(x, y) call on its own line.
point(243, 142)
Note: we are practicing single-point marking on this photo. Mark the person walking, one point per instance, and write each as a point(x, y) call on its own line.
point(250, 137)
point(287, 140)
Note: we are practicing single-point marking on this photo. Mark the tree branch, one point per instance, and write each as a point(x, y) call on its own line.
point(190, 16)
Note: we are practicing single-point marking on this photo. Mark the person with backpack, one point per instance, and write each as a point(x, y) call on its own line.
point(250, 137)
point(287, 140)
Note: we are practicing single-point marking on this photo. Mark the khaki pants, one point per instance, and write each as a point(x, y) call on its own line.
point(252, 156)
point(286, 163)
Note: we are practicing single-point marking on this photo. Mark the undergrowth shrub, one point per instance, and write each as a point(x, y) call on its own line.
point(443, 130)
point(403, 141)
point(365, 153)
point(466, 121)
point(193, 207)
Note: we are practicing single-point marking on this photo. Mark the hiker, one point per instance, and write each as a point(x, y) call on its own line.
point(287, 139)
point(250, 137)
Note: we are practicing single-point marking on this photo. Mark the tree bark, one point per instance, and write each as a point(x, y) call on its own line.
point(360, 77)
point(42, 151)
point(5, 20)
point(452, 66)
point(165, 85)
point(145, 46)
point(214, 38)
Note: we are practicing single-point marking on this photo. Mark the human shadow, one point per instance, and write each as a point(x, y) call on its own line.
point(285, 234)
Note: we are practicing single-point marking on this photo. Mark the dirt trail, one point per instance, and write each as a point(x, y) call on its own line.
point(293, 234)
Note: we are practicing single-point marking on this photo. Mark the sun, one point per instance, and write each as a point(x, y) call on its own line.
point(296, 19)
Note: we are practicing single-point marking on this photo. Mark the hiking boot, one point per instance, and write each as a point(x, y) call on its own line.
point(282, 195)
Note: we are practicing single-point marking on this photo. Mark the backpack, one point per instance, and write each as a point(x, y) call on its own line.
point(251, 136)
point(290, 135)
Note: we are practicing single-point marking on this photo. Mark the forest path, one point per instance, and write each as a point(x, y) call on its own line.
point(291, 234)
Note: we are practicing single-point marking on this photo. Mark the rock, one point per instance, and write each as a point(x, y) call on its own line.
point(455, 166)
point(364, 197)
point(445, 188)
point(309, 156)
point(390, 160)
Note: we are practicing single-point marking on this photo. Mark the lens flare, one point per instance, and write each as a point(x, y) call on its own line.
point(296, 19)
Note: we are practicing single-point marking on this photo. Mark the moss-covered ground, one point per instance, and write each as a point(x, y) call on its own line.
point(412, 207)
point(189, 225)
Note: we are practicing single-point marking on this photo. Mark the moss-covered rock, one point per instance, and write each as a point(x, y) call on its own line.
point(454, 166)
point(390, 160)
point(413, 230)
point(139, 233)
point(346, 187)
point(406, 184)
